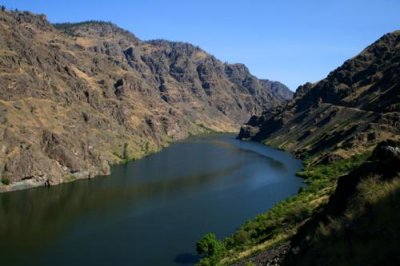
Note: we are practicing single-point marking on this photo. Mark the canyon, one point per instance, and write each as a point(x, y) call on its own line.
point(79, 97)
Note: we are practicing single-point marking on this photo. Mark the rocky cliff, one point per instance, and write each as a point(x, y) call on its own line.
point(76, 98)
point(351, 110)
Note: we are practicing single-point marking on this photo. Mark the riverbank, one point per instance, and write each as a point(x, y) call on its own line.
point(103, 170)
point(272, 231)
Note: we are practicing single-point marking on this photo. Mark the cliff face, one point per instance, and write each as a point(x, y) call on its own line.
point(77, 97)
point(352, 109)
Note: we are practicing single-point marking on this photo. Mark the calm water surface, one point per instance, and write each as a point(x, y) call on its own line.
point(148, 212)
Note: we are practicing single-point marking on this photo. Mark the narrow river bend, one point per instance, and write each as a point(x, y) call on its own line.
point(148, 212)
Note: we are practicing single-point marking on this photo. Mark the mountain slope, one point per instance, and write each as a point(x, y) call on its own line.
point(278, 89)
point(77, 97)
point(347, 213)
point(351, 110)
point(360, 224)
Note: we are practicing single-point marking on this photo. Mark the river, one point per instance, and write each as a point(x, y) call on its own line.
point(150, 211)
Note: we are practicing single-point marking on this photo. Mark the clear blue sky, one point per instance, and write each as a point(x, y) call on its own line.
point(290, 41)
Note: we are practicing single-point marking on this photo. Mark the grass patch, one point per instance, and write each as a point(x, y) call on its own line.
point(71, 178)
point(367, 234)
point(206, 129)
point(322, 176)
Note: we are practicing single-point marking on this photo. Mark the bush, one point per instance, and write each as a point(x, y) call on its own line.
point(5, 180)
point(241, 237)
point(209, 246)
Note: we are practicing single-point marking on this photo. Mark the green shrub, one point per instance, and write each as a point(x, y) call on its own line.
point(241, 237)
point(5, 180)
point(209, 246)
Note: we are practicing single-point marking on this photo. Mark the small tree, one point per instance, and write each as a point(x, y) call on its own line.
point(3, 8)
point(209, 246)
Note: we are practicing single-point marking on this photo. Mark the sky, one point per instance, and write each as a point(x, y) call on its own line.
point(293, 41)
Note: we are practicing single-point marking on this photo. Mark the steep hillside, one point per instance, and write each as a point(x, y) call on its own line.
point(77, 97)
point(346, 216)
point(351, 110)
point(360, 224)
point(347, 213)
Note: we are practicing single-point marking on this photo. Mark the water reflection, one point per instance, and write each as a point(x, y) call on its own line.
point(256, 154)
point(184, 183)
point(28, 212)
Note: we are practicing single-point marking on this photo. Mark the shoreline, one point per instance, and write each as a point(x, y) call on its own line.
point(242, 246)
point(86, 174)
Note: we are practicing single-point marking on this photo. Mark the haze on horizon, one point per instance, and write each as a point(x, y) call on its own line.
point(290, 41)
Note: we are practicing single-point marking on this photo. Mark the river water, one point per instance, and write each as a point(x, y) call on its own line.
point(148, 212)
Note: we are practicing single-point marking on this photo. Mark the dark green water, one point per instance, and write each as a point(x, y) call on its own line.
point(148, 212)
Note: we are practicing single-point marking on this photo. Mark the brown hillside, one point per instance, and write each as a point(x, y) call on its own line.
point(77, 97)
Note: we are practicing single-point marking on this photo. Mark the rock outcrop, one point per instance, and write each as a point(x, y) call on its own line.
point(78, 97)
